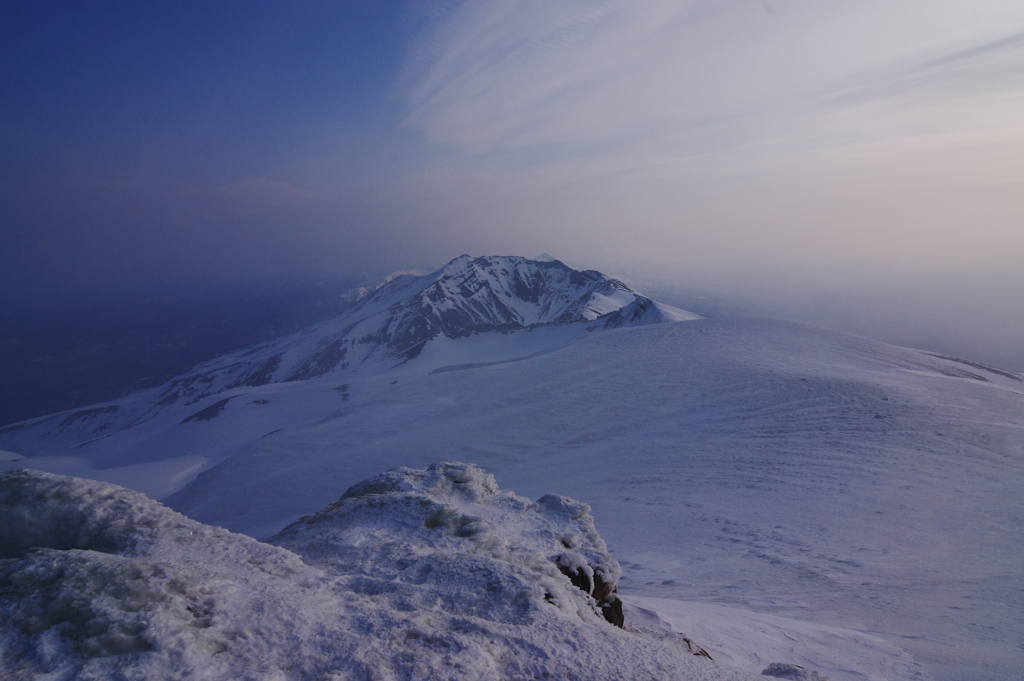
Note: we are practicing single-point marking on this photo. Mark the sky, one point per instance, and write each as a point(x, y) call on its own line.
point(857, 153)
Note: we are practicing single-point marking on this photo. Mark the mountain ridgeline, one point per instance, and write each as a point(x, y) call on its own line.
point(392, 326)
point(395, 322)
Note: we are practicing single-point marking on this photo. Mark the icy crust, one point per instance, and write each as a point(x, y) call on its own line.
point(43, 511)
point(101, 582)
point(415, 574)
point(406, 525)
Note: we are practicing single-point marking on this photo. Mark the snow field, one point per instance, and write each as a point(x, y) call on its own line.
point(752, 464)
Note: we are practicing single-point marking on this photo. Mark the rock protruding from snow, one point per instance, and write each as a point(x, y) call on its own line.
point(417, 518)
point(431, 573)
point(793, 672)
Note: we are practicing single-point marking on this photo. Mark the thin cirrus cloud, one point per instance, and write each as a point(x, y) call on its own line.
point(731, 130)
point(583, 76)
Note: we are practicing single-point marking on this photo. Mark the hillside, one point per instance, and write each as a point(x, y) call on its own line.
point(753, 464)
point(473, 310)
point(781, 477)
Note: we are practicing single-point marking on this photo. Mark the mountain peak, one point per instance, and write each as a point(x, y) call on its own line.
point(467, 296)
point(545, 303)
point(511, 292)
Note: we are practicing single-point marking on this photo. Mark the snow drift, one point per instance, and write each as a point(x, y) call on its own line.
point(417, 573)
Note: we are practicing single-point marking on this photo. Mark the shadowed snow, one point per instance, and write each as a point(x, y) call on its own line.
point(430, 573)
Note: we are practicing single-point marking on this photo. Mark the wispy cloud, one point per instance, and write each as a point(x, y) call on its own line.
point(833, 132)
point(538, 82)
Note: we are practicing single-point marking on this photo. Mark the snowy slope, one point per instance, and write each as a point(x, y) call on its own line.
point(473, 310)
point(790, 481)
point(754, 464)
point(753, 642)
point(417, 574)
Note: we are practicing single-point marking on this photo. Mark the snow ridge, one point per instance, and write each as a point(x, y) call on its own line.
point(418, 573)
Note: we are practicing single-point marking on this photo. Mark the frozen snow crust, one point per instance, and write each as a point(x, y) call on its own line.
point(101, 582)
point(418, 573)
point(408, 523)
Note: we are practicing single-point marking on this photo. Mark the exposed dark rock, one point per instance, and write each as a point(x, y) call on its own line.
point(794, 672)
point(604, 593)
point(262, 375)
point(983, 367)
point(578, 577)
point(696, 649)
point(208, 413)
point(323, 360)
point(611, 608)
point(87, 414)
point(170, 397)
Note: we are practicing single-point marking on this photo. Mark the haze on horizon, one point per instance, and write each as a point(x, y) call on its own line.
point(855, 164)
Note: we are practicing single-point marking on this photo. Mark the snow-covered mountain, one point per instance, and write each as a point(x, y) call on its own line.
point(411, 323)
point(764, 485)
point(396, 322)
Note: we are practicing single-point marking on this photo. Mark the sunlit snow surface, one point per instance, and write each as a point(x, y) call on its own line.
point(756, 465)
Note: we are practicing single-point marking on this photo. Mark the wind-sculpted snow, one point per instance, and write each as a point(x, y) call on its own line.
point(431, 573)
point(406, 523)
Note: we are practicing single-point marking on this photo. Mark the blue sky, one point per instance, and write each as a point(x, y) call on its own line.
point(147, 142)
point(157, 147)
point(192, 91)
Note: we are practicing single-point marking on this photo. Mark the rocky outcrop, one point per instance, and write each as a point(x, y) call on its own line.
point(454, 506)
point(592, 582)
point(793, 672)
point(417, 573)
